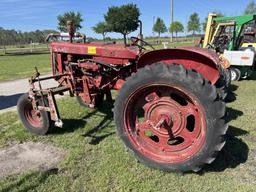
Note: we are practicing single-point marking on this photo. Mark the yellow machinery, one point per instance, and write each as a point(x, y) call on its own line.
point(232, 39)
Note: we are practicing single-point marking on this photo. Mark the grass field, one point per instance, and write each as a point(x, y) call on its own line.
point(96, 159)
point(21, 66)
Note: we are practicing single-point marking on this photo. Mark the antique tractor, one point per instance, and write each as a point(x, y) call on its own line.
point(169, 111)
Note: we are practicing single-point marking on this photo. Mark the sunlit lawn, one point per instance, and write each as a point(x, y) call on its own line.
point(96, 159)
point(21, 66)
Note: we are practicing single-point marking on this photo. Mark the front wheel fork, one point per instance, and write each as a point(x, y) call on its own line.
point(48, 104)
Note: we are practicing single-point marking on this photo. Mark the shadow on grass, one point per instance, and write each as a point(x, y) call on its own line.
point(233, 87)
point(235, 150)
point(9, 101)
point(231, 94)
point(233, 114)
point(29, 182)
point(234, 153)
point(98, 133)
point(70, 125)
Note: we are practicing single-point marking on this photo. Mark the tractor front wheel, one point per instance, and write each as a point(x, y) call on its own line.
point(36, 122)
point(170, 118)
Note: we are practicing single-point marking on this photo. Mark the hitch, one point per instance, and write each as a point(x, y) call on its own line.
point(47, 96)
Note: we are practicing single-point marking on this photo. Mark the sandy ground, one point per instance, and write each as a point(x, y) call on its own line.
point(29, 156)
point(10, 91)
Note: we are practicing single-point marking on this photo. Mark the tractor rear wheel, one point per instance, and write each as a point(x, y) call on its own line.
point(38, 123)
point(223, 84)
point(170, 118)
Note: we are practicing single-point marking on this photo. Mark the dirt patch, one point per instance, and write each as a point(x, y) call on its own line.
point(251, 138)
point(29, 156)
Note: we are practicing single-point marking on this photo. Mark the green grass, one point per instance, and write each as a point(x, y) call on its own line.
point(21, 66)
point(96, 159)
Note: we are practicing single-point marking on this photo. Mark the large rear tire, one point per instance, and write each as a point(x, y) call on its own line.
point(170, 118)
point(36, 123)
point(223, 84)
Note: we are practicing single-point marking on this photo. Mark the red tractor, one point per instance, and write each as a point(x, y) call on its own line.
point(169, 111)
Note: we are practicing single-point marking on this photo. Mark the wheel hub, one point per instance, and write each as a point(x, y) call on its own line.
point(33, 116)
point(164, 122)
point(164, 116)
point(233, 75)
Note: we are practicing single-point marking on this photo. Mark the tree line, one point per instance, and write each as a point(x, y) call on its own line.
point(194, 24)
point(124, 19)
point(120, 19)
point(13, 37)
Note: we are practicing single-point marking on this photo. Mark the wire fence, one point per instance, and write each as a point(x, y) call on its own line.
point(24, 49)
point(36, 48)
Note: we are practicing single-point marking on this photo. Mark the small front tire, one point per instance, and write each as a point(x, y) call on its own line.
point(35, 122)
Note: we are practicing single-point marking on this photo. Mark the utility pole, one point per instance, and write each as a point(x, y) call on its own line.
point(172, 8)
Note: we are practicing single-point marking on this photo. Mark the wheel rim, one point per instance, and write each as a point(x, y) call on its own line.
point(233, 75)
point(32, 116)
point(165, 123)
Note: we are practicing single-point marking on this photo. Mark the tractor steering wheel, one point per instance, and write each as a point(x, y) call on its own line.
point(140, 43)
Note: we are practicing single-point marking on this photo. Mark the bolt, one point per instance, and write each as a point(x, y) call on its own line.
point(160, 123)
point(150, 98)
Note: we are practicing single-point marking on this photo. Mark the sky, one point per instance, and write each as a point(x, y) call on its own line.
point(28, 15)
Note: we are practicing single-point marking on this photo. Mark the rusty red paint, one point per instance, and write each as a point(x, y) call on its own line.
point(119, 83)
point(203, 61)
point(164, 122)
point(60, 65)
point(86, 69)
point(32, 116)
point(116, 51)
point(89, 65)
point(86, 96)
point(79, 83)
